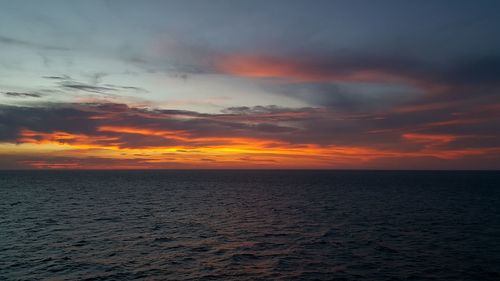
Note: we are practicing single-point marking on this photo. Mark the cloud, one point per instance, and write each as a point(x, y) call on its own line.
point(309, 68)
point(66, 82)
point(269, 109)
point(22, 95)
point(476, 71)
point(319, 137)
point(89, 119)
point(118, 87)
point(64, 77)
point(23, 43)
point(350, 97)
point(363, 68)
point(85, 87)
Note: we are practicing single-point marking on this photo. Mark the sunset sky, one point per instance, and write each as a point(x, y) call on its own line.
point(250, 84)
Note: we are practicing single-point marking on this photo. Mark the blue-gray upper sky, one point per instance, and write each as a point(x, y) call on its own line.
point(419, 77)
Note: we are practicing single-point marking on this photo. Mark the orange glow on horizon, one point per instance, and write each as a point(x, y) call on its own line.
point(83, 151)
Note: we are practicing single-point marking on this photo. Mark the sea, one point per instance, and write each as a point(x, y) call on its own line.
point(249, 225)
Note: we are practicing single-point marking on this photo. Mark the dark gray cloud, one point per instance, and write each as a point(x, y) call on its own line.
point(132, 88)
point(66, 82)
point(85, 87)
point(64, 77)
point(351, 97)
point(476, 71)
point(87, 118)
point(48, 118)
point(22, 95)
point(292, 125)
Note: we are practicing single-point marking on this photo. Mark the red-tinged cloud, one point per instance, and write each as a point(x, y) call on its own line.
point(465, 78)
point(307, 71)
point(244, 137)
point(428, 138)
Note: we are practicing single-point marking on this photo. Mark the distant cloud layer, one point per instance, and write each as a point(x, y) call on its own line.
point(272, 134)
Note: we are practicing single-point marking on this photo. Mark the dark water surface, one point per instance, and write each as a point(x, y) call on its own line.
point(249, 225)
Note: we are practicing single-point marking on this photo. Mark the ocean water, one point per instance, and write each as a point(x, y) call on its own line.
point(249, 225)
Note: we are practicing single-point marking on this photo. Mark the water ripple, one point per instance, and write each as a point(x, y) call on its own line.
point(249, 225)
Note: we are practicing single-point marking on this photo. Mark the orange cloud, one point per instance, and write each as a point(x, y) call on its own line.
point(428, 138)
point(455, 122)
point(58, 137)
point(189, 139)
point(179, 135)
point(81, 151)
point(241, 137)
point(272, 67)
point(51, 165)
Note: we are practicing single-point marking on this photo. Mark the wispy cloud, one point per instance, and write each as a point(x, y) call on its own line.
point(29, 44)
point(22, 95)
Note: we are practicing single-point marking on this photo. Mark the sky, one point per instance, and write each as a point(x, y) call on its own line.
point(249, 84)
